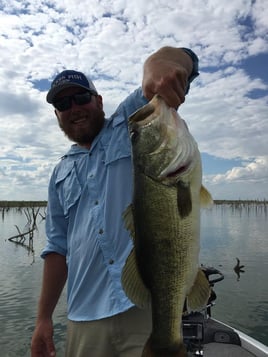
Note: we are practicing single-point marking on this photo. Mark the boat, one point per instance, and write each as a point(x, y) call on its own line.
point(205, 336)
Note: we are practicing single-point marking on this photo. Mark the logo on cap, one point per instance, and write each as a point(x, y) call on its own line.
point(70, 77)
point(67, 79)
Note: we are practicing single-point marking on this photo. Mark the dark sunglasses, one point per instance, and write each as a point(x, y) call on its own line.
point(65, 103)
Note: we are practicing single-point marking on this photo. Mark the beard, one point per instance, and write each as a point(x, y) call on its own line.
point(83, 126)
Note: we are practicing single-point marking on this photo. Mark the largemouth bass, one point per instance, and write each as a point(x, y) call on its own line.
point(164, 220)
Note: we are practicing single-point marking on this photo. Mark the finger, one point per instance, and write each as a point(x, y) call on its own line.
point(179, 86)
point(38, 349)
point(173, 97)
point(148, 90)
point(173, 89)
point(50, 348)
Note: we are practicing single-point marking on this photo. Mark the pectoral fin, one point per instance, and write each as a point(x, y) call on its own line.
point(199, 293)
point(133, 283)
point(184, 199)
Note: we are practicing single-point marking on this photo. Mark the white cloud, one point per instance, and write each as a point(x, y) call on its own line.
point(245, 182)
point(255, 171)
point(109, 40)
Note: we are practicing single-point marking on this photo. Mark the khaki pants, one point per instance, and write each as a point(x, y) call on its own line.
point(121, 335)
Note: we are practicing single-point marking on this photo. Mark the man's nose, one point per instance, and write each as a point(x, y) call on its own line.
point(74, 106)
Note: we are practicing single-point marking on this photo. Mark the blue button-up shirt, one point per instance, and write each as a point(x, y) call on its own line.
point(88, 193)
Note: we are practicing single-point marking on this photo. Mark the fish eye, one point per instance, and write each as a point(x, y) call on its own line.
point(134, 135)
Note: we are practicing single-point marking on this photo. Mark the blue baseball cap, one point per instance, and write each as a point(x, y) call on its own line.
point(69, 78)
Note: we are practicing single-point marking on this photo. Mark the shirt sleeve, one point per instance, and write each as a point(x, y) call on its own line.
point(56, 223)
point(132, 103)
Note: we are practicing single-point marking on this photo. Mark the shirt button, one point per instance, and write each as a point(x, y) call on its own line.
point(101, 231)
point(111, 261)
point(96, 202)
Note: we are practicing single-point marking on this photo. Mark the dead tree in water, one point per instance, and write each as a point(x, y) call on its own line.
point(28, 230)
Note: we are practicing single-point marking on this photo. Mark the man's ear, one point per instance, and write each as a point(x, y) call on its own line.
point(99, 101)
point(58, 117)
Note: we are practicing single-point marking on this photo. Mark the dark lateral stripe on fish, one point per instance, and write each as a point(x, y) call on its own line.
point(184, 200)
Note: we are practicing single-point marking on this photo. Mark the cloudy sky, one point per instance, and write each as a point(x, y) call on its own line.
point(109, 40)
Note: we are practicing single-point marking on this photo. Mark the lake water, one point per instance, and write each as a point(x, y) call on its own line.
point(226, 233)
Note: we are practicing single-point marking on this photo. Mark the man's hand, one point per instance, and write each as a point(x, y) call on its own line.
point(54, 277)
point(166, 73)
point(42, 340)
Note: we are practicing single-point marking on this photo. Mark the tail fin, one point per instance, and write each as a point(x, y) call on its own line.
point(174, 351)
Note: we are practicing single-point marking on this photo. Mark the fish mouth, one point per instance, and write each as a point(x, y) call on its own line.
point(142, 115)
point(179, 171)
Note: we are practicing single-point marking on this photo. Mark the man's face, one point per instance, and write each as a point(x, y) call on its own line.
point(81, 123)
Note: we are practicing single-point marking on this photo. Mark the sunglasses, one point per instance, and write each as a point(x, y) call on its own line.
point(65, 103)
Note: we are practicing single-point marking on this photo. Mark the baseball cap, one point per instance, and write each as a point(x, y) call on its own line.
point(69, 78)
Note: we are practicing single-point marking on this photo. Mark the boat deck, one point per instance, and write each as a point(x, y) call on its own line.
point(218, 339)
point(225, 350)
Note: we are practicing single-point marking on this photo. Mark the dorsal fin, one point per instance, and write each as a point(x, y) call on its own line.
point(206, 199)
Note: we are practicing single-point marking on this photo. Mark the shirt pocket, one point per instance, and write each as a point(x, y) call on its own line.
point(68, 186)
